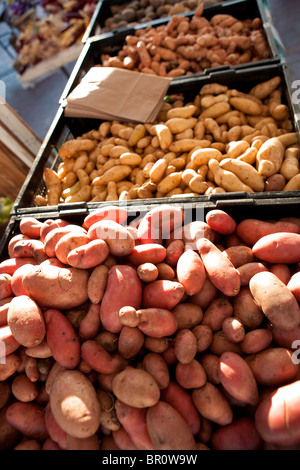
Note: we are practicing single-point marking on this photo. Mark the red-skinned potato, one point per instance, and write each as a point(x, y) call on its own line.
point(187, 315)
point(147, 272)
point(273, 367)
point(17, 279)
point(4, 306)
point(246, 309)
point(191, 272)
point(29, 419)
point(157, 367)
point(251, 230)
point(147, 253)
point(31, 227)
point(119, 240)
point(181, 400)
point(9, 435)
point(275, 300)
point(68, 243)
point(239, 255)
point(154, 322)
point(206, 295)
point(53, 237)
point(219, 309)
point(61, 339)
point(233, 329)
point(219, 268)
point(282, 271)
point(26, 321)
point(10, 265)
point(8, 342)
point(30, 249)
point(121, 441)
point(241, 434)
point(117, 214)
point(210, 363)
point(204, 335)
point(162, 294)
point(13, 241)
point(248, 270)
point(41, 351)
point(5, 393)
point(90, 323)
point(185, 346)
point(130, 341)
point(191, 232)
point(124, 280)
point(173, 251)
point(237, 378)
point(99, 359)
point(158, 224)
point(190, 375)
point(10, 366)
point(53, 287)
point(5, 286)
point(97, 283)
point(88, 255)
point(277, 416)
point(134, 422)
point(80, 414)
point(221, 222)
point(212, 404)
point(49, 225)
point(23, 389)
point(256, 340)
point(162, 419)
point(87, 443)
point(136, 387)
point(280, 247)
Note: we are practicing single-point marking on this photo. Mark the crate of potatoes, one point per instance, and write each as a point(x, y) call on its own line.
point(112, 15)
point(228, 132)
point(181, 322)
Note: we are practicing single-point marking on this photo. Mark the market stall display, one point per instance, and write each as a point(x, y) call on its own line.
point(149, 271)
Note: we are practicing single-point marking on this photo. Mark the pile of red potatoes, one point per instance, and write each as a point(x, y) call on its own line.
point(150, 334)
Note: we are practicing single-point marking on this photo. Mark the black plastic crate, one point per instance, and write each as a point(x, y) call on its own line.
point(64, 128)
point(112, 43)
point(240, 206)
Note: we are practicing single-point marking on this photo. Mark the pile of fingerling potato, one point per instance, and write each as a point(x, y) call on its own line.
point(224, 140)
point(155, 333)
point(184, 45)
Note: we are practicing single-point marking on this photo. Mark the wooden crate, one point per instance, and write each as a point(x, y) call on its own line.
point(18, 148)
